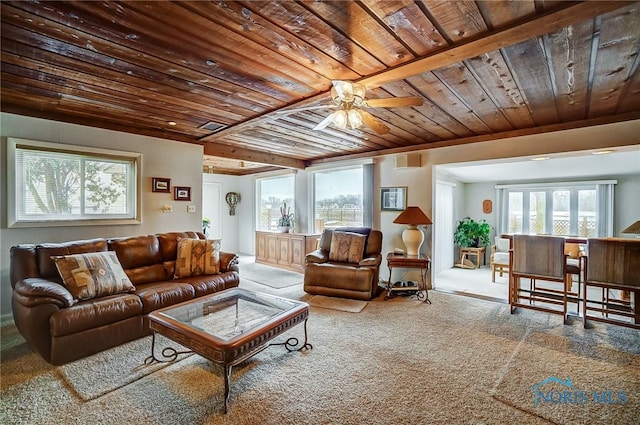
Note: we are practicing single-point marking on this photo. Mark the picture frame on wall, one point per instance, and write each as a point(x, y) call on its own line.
point(393, 198)
point(181, 193)
point(160, 184)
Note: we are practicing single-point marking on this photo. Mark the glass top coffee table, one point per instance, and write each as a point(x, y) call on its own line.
point(228, 327)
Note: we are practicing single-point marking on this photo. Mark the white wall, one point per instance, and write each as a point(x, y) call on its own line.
point(181, 162)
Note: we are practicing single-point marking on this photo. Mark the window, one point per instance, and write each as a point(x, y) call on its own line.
point(560, 209)
point(338, 197)
point(272, 194)
point(62, 185)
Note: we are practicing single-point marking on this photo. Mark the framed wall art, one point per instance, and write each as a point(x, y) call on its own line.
point(160, 184)
point(181, 193)
point(393, 198)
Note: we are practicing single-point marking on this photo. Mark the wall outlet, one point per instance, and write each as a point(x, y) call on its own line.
point(167, 208)
point(191, 208)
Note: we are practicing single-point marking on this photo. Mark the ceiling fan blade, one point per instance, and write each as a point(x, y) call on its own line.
point(374, 123)
point(394, 102)
point(308, 108)
point(325, 122)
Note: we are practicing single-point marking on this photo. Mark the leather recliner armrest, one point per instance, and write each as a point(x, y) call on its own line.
point(371, 261)
point(34, 291)
point(317, 256)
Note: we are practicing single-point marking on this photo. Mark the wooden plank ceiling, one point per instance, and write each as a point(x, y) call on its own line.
point(224, 74)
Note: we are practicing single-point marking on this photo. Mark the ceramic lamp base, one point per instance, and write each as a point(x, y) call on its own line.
point(412, 238)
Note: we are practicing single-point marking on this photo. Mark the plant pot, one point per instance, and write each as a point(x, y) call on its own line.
point(284, 229)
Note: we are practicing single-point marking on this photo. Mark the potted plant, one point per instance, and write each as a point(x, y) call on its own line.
point(206, 223)
point(285, 221)
point(471, 233)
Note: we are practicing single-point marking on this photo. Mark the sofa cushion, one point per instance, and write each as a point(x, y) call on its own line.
point(92, 275)
point(169, 243)
point(137, 251)
point(163, 294)
point(347, 247)
point(339, 276)
point(502, 244)
point(197, 257)
point(94, 313)
point(209, 284)
point(45, 251)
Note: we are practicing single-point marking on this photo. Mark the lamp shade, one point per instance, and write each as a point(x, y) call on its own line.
point(412, 215)
point(634, 229)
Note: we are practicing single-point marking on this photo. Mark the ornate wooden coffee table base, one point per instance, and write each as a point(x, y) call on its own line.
point(228, 328)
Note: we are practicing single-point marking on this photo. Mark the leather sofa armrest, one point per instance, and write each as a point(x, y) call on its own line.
point(34, 291)
point(371, 261)
point(317, 256)
point(228, 262)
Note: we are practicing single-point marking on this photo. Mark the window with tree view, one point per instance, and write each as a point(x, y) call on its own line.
point(273, 194)
point(58, 184)
point(339, 198)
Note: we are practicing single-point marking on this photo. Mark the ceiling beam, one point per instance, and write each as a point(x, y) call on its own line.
point(630, 116)
point(518, 32)
point(226, 151)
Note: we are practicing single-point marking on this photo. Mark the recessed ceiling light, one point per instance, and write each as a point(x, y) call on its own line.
point(171, 123)
point(602, 152)
point(540, 158)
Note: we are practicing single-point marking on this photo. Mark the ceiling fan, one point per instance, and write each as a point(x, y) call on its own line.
point(349, 99)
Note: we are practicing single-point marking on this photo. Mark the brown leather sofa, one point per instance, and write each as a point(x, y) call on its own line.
point(62, 329)
point(344, 279)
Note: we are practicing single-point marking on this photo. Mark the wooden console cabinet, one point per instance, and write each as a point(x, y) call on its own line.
point(284, 250)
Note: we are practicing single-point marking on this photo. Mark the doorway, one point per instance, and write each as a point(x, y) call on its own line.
point(212, 208)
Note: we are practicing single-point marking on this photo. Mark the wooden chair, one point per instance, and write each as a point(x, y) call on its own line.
point(500, 257)
point(574, 254)
point(538, 258)
point(613, 264)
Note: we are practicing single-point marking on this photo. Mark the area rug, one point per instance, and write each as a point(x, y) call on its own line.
point(340, 304)
point(115, 368)
point(270, 276)
point(567, 379)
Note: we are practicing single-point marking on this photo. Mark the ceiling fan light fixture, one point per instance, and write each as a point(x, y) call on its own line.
point(340, 119)
point(358, 94)
point(354, 118)
point(347, 92)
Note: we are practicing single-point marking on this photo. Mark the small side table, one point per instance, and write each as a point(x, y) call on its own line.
point(404, 261)
point(467, 252)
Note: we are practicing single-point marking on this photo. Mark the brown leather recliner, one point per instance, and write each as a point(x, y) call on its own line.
point(343, 279)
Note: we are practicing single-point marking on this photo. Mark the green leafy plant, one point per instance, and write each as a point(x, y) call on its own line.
point(286, 216)
point(471, 233)
point(206, 223)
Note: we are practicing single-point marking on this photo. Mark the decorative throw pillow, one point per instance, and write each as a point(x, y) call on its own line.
point(197, 257)
point(93, 274)
point(347, 247)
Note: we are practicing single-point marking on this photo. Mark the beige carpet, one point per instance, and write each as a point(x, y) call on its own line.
point(457, 361)
point(588, 381)
point(340, 304)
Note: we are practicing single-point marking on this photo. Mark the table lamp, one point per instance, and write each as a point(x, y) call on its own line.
point(634, 229)
point(412, 236)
